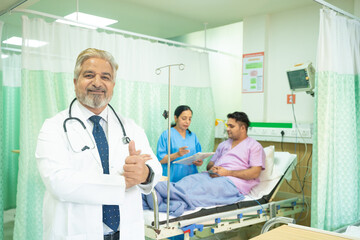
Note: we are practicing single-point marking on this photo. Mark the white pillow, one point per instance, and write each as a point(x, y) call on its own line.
point(269, 164)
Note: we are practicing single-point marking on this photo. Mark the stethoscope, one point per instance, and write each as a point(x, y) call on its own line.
point(125, 138)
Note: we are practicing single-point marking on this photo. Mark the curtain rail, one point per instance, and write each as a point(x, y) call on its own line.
point(123, 32)
point(339, 10)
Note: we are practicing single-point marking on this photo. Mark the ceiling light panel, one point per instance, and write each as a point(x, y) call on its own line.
point(90, 19)
point(75, 24)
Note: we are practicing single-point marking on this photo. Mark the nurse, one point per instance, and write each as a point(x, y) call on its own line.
point(184, 143)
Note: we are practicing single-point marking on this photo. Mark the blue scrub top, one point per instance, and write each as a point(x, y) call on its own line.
point(178, 171)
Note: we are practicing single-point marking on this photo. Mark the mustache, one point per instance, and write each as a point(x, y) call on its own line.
point(96, 89)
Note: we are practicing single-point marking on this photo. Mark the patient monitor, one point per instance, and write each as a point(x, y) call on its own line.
point(302, 78)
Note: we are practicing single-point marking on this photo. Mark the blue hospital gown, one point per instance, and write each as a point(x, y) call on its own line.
point(178, 171)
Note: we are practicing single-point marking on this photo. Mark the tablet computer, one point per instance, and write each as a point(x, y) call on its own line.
point(197, 156)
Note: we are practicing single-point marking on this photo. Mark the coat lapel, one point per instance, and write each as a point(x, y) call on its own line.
point(76, 112)
point(117, 149)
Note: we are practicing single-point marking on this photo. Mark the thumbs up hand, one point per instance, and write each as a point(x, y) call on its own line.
point(135, 169)
point(132, 150)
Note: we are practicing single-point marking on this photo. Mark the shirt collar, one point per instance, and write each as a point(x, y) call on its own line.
point(87, 113)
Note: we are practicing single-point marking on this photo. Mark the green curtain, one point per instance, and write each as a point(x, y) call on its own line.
point(11, 124)
point(336, 157)
point(1, 154)
point(43, 94)
point(145, 103)
point(10, 133)
point(2, 157)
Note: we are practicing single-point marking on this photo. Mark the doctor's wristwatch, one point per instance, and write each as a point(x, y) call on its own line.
point(150, 177)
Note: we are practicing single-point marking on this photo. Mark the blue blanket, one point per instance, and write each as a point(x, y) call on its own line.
point(196, 190)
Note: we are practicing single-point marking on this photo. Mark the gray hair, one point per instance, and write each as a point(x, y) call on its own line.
point(94, 53)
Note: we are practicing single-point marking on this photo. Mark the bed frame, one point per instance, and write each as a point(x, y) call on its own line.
point(209, 221)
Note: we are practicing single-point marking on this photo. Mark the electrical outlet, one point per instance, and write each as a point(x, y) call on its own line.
point(254, 131)
point(286, 132)
point(293, 133)
point(305, 132)
point(263, 131)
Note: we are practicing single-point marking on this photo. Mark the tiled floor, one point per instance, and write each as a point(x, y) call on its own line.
point(9, 218)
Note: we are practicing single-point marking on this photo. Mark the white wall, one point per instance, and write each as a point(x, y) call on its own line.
point(290, 38)
point(287, 38)
point(225, 70)
point(255, 37)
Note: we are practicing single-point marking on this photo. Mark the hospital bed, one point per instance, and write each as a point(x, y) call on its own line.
point(258, 206)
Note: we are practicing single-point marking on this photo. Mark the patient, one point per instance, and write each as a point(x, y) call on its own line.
point(232, 172)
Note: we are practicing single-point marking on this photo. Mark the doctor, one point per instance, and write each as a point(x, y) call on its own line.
point(93, 177)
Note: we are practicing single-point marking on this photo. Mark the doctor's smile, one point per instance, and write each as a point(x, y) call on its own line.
point(96, 91)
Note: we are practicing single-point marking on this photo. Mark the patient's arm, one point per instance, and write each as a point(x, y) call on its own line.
point(210, 165)
point(247, 174)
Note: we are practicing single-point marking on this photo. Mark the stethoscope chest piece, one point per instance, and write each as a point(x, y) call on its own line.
point(126, 140)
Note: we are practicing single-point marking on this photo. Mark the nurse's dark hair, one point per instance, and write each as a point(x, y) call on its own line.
point(178, 112)
point(94, 53)
point(240, 117)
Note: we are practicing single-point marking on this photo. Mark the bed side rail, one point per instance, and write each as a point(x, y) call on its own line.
point(156, 209)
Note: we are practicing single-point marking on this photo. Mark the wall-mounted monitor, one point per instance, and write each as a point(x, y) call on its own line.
point(301, 78)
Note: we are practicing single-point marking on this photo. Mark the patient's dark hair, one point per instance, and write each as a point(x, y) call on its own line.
point(178, 112)
point(240, 117)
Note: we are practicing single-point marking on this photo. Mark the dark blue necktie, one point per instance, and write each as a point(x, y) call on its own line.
point(111, 214)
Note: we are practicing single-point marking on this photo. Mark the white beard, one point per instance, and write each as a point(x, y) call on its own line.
point(93, 101)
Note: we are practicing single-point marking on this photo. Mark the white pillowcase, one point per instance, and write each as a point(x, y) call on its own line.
point(269, 164)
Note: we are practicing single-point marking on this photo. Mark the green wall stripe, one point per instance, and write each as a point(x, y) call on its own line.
point(271, 125)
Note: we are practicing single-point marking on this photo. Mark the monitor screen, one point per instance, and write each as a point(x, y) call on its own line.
point(298, 79)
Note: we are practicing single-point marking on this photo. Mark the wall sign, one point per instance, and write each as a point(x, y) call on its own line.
point(253, 73)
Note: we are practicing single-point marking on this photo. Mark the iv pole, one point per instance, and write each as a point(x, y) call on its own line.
point(166, 115)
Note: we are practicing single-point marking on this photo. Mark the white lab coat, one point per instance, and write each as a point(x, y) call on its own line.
point(76, 188)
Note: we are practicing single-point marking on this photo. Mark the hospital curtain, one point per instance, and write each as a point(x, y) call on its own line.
point(336, 160)
point(140, 94)
point(11, 125)
point(1, 149)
